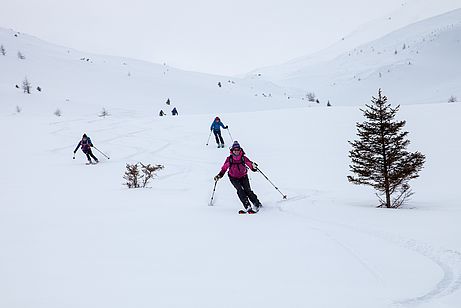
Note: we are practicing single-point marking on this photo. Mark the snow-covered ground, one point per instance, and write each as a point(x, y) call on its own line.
point(416, 63)
point(77, 82)
point(72, 235)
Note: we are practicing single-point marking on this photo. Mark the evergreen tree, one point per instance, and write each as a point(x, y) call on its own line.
point(379, 157)
point(2, 50)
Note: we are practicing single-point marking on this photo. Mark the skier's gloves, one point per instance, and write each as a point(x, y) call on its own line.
point(217, 177)
point(255, 166)
point(226, 127)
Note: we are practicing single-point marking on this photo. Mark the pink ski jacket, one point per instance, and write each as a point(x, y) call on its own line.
point(237, 165)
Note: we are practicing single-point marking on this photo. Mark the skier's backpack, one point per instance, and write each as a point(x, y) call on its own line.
point(240, 162)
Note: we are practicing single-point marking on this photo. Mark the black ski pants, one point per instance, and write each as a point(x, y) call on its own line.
point(217, 135)
point(244, 191)
point(89, 155)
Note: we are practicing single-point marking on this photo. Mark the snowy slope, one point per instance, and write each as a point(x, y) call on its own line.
point(418, 63)
point(73, 236)
point(75, 81)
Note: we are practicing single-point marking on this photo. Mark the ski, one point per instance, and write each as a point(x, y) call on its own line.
point(250, 211)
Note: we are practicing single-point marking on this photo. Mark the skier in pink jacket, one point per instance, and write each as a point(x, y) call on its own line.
point(237, 163)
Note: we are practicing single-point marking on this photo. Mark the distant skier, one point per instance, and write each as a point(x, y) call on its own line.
point(237, 164)
point(86, 146)
point(216, 129)
point(174, 111)
point(161, 113)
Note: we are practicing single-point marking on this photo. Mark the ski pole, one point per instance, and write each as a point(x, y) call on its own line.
point(284, 196)
point(101, 152)
point(212, 195)
point(232, 139)
point(208, 138)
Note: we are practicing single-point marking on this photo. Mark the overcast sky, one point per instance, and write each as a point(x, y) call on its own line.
point(214, 36)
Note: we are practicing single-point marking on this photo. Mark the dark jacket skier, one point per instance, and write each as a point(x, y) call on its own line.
point(237, 163)
point(161, 113)
point(174, 111)
point(216, 129)
point(86, 146)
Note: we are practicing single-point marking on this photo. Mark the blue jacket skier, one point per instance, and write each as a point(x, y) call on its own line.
point(216, 129)
point(86, 146)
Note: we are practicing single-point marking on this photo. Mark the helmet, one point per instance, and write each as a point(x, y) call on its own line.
point(217, 118)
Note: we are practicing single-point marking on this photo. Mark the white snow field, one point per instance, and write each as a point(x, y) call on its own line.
point(76, 82)
point(72, 235)
point(416, 63)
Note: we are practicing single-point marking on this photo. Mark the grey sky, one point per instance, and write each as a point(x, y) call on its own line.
point(223, 37)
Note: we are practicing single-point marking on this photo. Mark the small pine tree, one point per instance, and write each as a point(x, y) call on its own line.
point(57, 112)
point(328, 104)
point(21, 56)
point(452, 99)
point(26, 86)
point(2, 50)
point(18, 109)
point(379, 157)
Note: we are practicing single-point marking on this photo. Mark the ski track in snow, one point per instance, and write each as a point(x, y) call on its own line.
point(449, 261)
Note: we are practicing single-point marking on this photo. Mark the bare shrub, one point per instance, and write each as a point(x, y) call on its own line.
point(26, 86)
point(452, 99)
point(136, 178)
point(310, 96)
point(104, 113)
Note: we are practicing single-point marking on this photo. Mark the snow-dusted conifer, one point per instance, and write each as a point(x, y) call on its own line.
point(379, 157)
point(2, 50)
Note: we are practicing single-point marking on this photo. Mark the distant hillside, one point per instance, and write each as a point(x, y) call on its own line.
point(70, 79)
point(419, 63)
